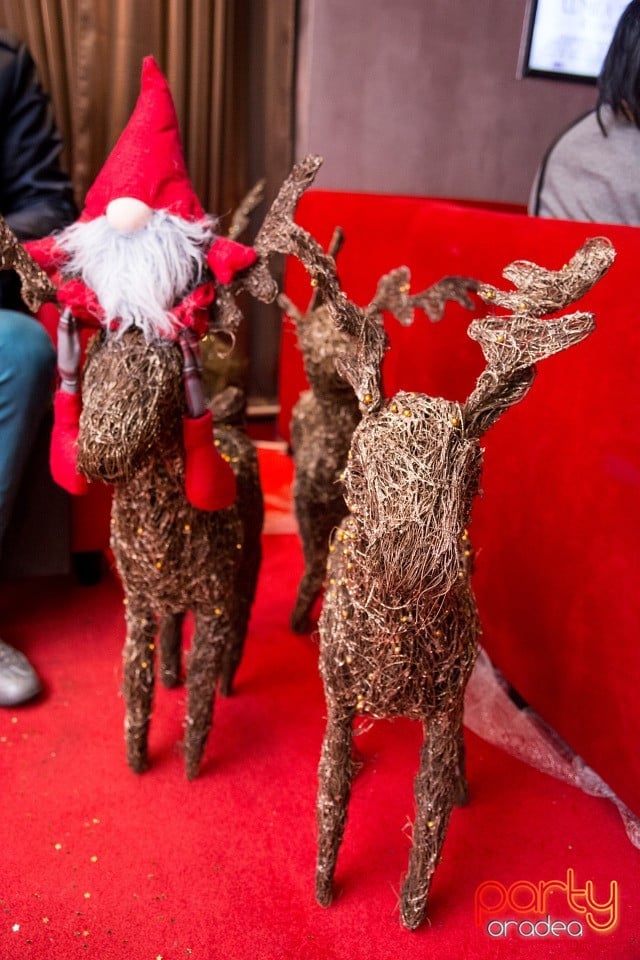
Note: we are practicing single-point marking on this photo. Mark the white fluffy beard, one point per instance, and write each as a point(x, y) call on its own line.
point(138, 277)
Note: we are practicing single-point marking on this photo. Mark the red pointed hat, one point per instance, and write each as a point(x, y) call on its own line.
point(147, 161)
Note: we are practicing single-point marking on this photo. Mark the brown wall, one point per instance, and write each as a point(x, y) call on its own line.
point(421, 97)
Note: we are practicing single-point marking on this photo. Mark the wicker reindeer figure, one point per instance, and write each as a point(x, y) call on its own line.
point(322, 422)
point(173, 557)
point(399, 625)
point(325, 416)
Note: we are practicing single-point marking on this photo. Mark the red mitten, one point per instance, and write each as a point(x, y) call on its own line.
point(209, 481)
point(227, 257)
point(46, 253)
point(193, 310)
point(82, 302)
point(64, 443)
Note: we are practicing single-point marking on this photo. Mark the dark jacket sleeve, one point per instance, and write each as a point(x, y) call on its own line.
point(35, 194)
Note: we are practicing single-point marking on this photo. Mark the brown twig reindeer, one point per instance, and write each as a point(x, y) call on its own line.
point(171, 556)
point(325, 416)
point(399, 625)
point(322, 422)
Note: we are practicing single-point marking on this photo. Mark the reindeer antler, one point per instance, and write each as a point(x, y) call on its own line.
point(35, 286)
point(280, 234)
point(360, 364)
point(242, 214)
point(289, 307)
point(274, 234)
point(434, 299)
point(513, 344)
point(334, 248)
point(394, 295)
point(540, 291)
point(271, 238)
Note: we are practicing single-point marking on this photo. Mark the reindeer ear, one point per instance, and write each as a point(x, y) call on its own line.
point(360, 363)
point(364, 381)
point(348, 371)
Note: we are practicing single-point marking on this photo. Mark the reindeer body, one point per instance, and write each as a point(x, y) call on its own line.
point(401, 643)
point(171, 556)
point(322, 423)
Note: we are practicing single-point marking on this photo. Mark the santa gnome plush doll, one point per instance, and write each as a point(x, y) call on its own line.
point(144, 254)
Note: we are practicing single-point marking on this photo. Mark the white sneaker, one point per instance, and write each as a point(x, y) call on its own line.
point(18, 679)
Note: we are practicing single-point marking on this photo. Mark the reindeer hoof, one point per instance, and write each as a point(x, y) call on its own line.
point(138, 760)
point(324, 891)
point(300, 621)
point(413, 903)
point(170, 679)
point(192, 770)
point(192, 762)
point(412, 914)
point(461, 795)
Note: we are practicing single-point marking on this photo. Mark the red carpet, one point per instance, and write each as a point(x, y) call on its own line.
point(99, 863)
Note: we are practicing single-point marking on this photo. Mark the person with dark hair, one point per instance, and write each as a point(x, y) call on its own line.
point(592, 170)
point(35, 198)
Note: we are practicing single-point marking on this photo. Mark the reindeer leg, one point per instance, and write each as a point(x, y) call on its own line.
point(210, 638)
point(170, 649)
point(138, 682)
point(234, 648)
point(309, 589)
point(245, 579)
point(309, 586)
point(435, 791)
point(335, 776)
point(231, 660)
point(315, 523)
point(245, 590)
point(461, 794)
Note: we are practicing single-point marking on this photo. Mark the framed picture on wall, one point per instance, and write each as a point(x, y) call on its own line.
point(568, 39)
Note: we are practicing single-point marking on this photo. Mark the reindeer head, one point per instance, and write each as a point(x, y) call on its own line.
point(133, 400)
point(319, 339)
point(414, 464)
point(321, 342)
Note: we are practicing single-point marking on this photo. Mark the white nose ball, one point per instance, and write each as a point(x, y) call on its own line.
point(126, 214)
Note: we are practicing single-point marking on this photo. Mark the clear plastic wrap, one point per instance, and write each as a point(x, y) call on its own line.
point(491, 714)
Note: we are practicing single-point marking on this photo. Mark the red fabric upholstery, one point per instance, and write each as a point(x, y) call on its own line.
point(557, 528)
